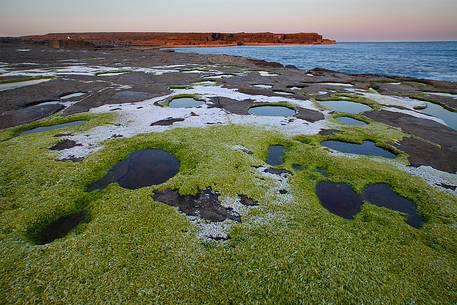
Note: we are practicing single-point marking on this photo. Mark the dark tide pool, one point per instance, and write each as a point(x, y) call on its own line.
point(346, 106)
point(272, 111)
point(339, 199)
point(185, 102)
point(275, 155)
point(140, 169)
point(61, 227)
point(382, 195)
point(367, 148)
point(52, 127)
point(350, 121)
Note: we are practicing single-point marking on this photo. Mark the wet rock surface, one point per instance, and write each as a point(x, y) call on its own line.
point(422, 152)
point(205, 205)
point(232, 106)
point(26, 115)
point(309, 115)
point(442, 156)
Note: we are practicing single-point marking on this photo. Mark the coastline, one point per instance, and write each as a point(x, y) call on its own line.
point(178, 39)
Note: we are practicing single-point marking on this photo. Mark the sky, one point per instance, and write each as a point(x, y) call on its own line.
point(343, 20)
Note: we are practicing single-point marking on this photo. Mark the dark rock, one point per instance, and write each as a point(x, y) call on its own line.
point(309, 115)
point(59, 135)
point(27, 115)
point(115, 136)
point(425, 153)
point(245, 200)
point(329, 132)
point(276, 171)
point(206, 205)
point(64, 144)
point(447, 186)
point(167, 122)
point(232, 106)
point(442, 156)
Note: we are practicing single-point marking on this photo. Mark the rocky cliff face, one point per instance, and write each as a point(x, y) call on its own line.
point(180, 39)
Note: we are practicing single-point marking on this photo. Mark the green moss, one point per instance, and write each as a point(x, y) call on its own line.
point(359, 117)
point(23, 79)
point(136, 250)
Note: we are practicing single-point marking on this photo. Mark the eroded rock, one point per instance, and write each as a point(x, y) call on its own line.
point(206, 205)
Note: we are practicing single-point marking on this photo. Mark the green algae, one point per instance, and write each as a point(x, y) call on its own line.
point(135, 250)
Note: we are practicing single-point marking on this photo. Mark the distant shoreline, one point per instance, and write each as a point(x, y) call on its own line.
point(173, 40)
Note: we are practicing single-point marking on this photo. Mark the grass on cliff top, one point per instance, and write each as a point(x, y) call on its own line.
point(138, 251)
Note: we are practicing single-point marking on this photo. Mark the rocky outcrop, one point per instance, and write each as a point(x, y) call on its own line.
point(178, 39)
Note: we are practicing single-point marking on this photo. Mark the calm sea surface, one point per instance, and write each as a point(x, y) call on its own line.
point(432, 60)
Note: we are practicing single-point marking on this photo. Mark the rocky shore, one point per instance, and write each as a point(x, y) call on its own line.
point(238, 150)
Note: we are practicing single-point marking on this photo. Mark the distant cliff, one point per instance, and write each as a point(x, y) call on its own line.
point(177, 39)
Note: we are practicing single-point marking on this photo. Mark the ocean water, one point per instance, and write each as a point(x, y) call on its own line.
point(429, 60)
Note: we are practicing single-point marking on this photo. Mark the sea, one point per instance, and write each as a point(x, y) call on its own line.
point(424, 60)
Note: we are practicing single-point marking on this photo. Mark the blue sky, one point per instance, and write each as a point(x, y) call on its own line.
point(344, 20)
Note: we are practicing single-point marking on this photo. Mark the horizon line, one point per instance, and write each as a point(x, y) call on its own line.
point(235, 32)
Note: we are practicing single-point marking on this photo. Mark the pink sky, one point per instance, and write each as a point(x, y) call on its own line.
point(353, 20)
